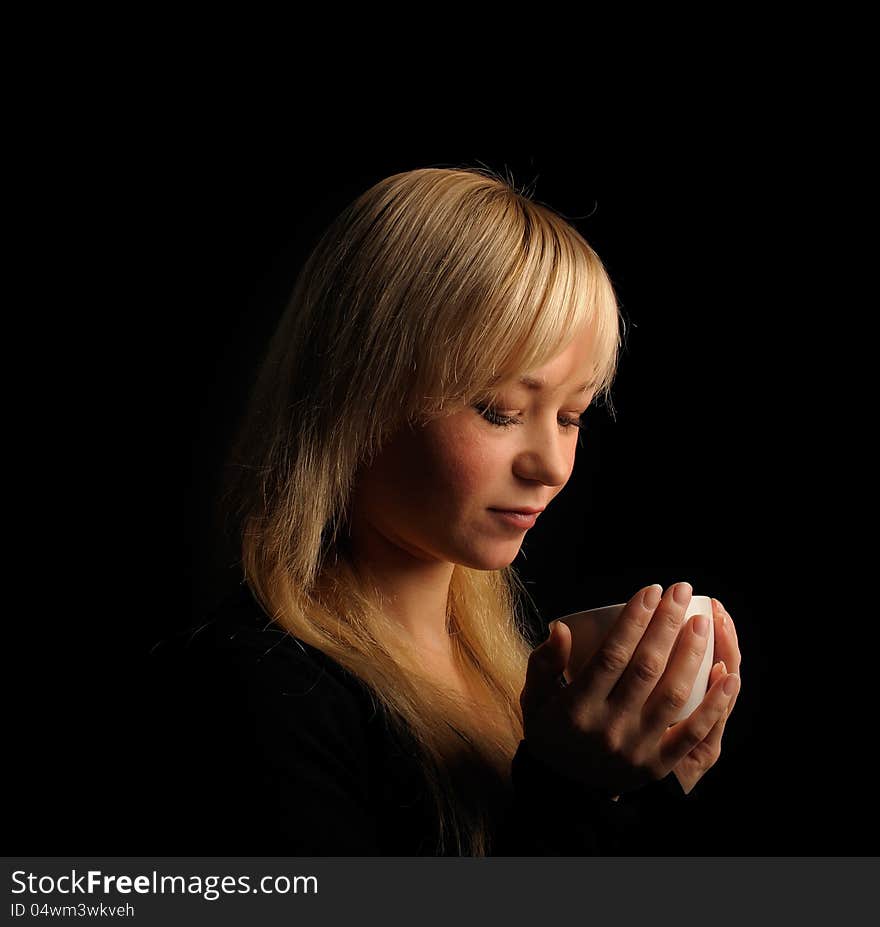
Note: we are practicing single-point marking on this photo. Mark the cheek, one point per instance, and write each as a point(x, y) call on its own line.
point(457, 461)
point(462, 466)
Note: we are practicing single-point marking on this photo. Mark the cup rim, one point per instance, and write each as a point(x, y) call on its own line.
point(599, 608)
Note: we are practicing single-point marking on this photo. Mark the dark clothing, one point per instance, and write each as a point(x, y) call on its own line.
point(264, 745)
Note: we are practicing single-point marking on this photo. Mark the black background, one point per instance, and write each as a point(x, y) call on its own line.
point(719, 469)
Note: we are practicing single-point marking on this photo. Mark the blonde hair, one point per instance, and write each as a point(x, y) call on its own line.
point(426, 293)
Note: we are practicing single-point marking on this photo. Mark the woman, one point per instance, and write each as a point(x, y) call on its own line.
point(381, 693)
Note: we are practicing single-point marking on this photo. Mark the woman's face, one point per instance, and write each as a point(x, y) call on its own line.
point(432, 490)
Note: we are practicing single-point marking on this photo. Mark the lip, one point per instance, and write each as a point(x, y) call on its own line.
point(521, 509)
point(518, 519)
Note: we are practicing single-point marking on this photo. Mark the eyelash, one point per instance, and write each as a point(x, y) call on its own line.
point(505, 421)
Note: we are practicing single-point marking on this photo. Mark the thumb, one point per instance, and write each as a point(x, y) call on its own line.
point(546, 663)
point(558, 645)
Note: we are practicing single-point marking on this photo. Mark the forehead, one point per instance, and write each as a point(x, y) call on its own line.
point(574, 369)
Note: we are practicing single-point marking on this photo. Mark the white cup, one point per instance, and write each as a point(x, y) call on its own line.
point(589, 629)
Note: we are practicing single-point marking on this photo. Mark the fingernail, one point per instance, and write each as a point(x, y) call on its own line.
point(682, 593)
point(731, 684)
point(701, 626)
point(651, 598)
point(723, 667)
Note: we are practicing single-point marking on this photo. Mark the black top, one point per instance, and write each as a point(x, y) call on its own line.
point(263, 745)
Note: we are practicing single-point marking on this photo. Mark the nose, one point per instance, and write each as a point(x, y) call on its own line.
point(546, 458)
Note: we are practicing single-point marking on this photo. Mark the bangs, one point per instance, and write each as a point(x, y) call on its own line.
point(554, 289)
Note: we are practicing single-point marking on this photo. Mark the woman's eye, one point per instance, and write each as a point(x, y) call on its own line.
point(494, 417)
point(504, 421)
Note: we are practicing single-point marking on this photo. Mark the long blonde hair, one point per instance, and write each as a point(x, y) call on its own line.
point(424, 295)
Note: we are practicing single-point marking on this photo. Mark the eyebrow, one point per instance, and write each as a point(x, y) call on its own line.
point(537, 383)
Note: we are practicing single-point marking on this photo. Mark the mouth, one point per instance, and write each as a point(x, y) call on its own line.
point(518, 519)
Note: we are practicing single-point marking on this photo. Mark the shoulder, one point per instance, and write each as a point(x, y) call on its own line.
point(258, 738)
point(238, 653)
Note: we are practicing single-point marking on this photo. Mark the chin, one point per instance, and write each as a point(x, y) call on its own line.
point(495, 561)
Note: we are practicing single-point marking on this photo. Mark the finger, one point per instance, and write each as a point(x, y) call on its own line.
point(729, 618)
point(713, 740)
point(733, 700)
point(727, 621)
point(726, 647)
point(717, 672)
point(603, 670)
point(712, 743)
point(651, 656)
point(674, 688)
point(680, 739)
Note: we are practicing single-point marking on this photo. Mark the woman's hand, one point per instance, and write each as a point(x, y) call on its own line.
point(610, 728)
point(693, 767)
